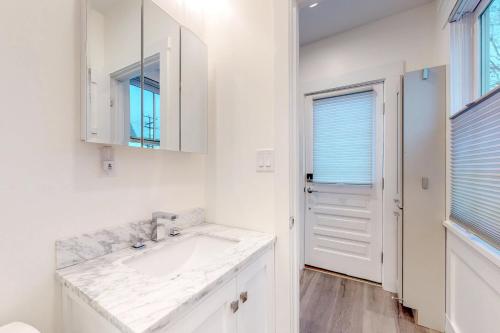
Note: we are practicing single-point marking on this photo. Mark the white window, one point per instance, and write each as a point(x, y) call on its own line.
point(490, 46)
point(151, 119)
point(343, 138)
point(475, 120)
point(475, 50)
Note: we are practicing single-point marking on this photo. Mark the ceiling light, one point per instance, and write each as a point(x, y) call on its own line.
point(313, 5)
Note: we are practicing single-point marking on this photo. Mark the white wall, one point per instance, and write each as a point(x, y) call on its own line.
point(51, 185)
point(241, 107)
point(473, 283)
point(249, 98)
point(413, 36)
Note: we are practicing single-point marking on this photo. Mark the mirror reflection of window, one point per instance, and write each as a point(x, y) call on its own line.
point(151, 120)
point(135, 112)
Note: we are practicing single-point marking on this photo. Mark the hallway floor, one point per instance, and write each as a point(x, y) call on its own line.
point(333, 304)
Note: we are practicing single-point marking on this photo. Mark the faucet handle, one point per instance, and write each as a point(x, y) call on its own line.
point(174, 231)
point(138, 243)
point(165, 215)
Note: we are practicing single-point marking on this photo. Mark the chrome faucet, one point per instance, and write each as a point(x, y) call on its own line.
point(158, 227)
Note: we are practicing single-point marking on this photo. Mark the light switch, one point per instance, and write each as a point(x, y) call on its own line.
point(265, 160)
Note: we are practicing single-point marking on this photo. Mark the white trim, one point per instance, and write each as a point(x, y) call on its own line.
point(482, 247)
point(481, 7)
point(83, 71)
point(343, 91)
point(445, 8)
point(476, 56)
point(296, 183)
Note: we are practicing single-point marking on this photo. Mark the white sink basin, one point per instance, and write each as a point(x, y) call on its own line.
point(179, 256)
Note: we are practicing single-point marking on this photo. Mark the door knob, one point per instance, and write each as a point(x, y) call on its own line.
point(244, 297)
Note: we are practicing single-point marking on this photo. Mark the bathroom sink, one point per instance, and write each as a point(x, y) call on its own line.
point(179, 256)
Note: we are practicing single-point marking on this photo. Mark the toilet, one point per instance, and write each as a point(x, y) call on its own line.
point(18, 328)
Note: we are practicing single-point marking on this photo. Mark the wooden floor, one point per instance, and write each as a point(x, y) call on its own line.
point(334, 304)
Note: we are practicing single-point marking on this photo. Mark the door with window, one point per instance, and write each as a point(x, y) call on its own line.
point(344, 161)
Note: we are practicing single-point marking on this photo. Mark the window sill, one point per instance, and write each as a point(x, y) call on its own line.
point(485, 249)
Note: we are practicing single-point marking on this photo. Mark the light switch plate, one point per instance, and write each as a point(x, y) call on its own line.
point(265, 160)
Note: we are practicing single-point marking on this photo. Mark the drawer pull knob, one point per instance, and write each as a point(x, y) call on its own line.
point(244, 297)
point(235, 306)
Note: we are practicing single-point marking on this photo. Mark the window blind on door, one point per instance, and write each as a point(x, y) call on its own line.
point(475, 168)
point(343, 139)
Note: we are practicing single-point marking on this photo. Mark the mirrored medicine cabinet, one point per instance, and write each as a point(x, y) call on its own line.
point(144, 78)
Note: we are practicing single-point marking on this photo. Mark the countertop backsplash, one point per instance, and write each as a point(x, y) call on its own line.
point(74, 250)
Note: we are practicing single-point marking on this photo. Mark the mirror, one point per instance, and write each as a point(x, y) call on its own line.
point(131, 76)
point(113, 59)
point(194, 93)
point(161, 72)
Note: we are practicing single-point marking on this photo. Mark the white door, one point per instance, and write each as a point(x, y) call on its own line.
point(343, 231)
point(256, 296)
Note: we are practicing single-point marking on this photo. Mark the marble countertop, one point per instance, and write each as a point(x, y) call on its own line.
point(138, 303)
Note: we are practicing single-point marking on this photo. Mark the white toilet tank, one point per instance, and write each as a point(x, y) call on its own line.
point(18, 328)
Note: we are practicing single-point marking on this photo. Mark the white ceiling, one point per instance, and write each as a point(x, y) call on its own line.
point(333, 16)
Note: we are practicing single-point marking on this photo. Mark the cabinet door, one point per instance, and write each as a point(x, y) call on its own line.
point(424, 182)
point(79, 317)
point(256, 296)
point(214, 315)
point(194, 93)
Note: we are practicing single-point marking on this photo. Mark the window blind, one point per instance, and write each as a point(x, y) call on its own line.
point(343, 139)
point(475, 168)
point(462, 62)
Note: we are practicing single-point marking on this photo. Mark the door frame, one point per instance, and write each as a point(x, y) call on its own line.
point(378, 214)
point(390, 75)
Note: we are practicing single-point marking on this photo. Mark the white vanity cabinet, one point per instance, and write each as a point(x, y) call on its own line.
point(256, 297)
point(245, 304)
point(214, 315)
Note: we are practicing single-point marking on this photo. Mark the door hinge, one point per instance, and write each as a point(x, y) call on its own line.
point(382, 257)
point(383, 109)
point(383, 183)
point(291, 222)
